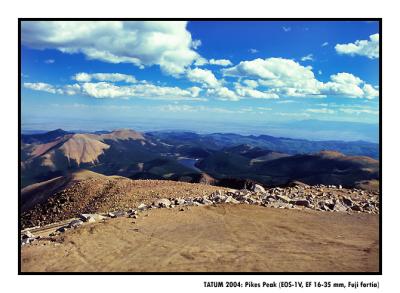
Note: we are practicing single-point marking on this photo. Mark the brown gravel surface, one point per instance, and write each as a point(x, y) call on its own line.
point(218, 238)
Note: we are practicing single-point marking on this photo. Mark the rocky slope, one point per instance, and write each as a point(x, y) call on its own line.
point(89, 192)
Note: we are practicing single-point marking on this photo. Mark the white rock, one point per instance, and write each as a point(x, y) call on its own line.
point(26, 241)
point(230, 199)
point(117, 214)
point(179, 201)
point(142, 207)
point(162, 203)
point(207, 201)
point(96, 217)
point(258, 188)
point(27, 234)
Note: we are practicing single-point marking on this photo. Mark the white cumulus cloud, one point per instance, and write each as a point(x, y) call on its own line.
point(250, 83)
point(248, 92)
point(104, 89)
point(287, 78)
point(72, 89)
point(143, 90)
point(223, 93)
point(41, 86)
point(221, 62)
point(143, 43)
point(346, 84)
point(283, 76)
point(204, 76)
point(114, 77)
point(368, 48)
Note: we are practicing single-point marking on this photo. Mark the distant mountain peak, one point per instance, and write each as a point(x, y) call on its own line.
point(83, 148)
point(123, 134)
point(330, 154)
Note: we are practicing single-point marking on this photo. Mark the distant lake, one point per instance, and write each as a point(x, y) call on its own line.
point(189, 162)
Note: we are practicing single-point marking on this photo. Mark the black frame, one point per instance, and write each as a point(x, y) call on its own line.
point(379, 20)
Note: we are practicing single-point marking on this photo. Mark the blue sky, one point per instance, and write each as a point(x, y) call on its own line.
point(201, 76)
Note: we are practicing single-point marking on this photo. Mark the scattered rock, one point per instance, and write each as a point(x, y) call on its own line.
point(75, 223)
point(179, 201)
point(319, 197)
point(340, 207)
point(230, 199)
point(356, 208)
point(61, 229)
point(283, 198)
point(27, 234)
point(251, 200)
point(258, 188)
point(142, 207)
point(162, 203)
point(25, 241)
point(300, 202)
point(95, 217)
point(206, 201)
point(347, 201)
point(117, 214)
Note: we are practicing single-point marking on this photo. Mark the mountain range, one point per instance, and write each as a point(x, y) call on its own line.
point(220, 159)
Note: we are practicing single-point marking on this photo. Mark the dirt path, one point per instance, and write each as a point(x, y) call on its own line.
point(215, 239)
